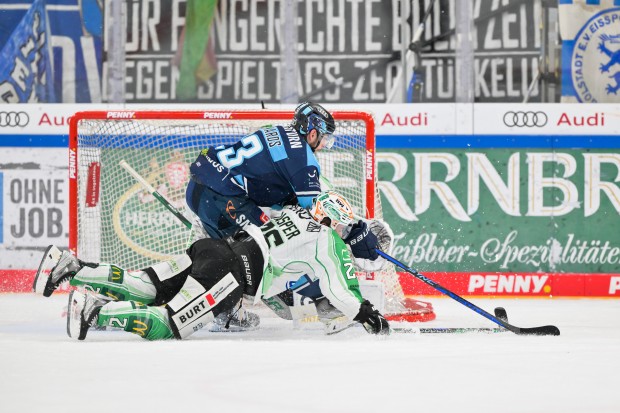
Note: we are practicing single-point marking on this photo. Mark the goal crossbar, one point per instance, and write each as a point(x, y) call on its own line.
point(221, 116)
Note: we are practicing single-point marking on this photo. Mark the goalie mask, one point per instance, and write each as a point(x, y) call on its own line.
point(309, 116)
point(332, 208)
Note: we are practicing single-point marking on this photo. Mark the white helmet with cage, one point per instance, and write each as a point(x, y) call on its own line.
point(332, 209)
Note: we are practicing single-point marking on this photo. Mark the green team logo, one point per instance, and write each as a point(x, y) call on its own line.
point(139, 325)
point(116, 274)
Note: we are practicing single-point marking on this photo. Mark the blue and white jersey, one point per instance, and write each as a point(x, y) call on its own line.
point(273, 165)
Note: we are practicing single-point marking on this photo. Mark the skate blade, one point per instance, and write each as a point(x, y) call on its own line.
point(48, 262)
point(338, 324)
point(74, 315)
point(216, 328)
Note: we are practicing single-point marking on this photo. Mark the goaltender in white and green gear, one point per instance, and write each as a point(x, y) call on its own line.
point(291, 254)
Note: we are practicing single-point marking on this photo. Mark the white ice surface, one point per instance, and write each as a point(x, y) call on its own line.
point(280, 369)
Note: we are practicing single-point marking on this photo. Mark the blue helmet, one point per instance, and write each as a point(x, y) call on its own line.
point(309, 116)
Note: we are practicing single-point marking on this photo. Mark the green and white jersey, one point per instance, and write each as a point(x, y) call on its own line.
point(296, 245)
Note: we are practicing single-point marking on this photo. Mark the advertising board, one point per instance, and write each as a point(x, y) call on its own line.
point(499, 199)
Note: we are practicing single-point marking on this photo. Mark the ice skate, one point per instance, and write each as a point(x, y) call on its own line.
point(332, 318)
point(235, 320)
point(63, 266)
point(82, 313)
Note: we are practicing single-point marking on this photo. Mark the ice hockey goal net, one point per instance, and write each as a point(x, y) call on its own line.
point(114, 219)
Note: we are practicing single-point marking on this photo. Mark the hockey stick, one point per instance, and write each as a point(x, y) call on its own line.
point(156, 194)
point(500, 320)
point(537, 331)
point(499, 313)
point(447, 330)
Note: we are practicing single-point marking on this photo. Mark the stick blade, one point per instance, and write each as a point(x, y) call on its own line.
point(540, 331)
point(461, 330)
point(447, 330)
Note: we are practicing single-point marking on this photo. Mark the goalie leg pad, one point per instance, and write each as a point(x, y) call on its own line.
point(194, 307)
point(150, 323)
point(116, 283)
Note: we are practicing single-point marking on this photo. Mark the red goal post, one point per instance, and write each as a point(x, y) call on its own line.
point(148, 140)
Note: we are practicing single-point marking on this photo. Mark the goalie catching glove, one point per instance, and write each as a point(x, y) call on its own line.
point(371, 319)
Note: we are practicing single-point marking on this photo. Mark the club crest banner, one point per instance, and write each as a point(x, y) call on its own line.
point(590, 33)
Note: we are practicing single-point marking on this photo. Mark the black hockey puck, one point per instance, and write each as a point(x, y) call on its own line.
point(500, 313)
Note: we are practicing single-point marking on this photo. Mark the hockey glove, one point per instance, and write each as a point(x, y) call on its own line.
point(384, 234)
point(371, 319)
point(362, 241)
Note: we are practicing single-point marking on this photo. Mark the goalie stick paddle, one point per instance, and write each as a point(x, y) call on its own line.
point(537, 331)
point(156, 194)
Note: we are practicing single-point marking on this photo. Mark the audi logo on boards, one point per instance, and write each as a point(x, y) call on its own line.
point(525, 119)
point(14, 119)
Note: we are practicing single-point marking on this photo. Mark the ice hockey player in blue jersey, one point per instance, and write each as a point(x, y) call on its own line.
point(274, 166)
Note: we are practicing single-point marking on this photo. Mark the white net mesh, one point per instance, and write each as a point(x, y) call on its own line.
point(119, 221)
